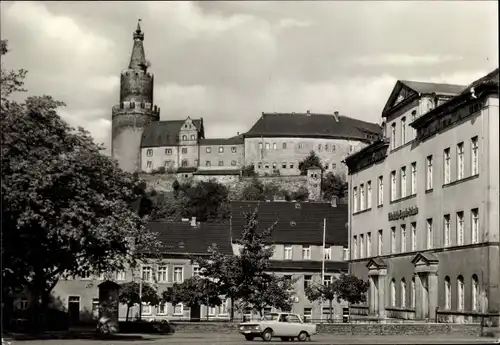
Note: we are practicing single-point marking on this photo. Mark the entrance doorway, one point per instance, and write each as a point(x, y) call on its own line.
point(195, 314)
point(74, 310)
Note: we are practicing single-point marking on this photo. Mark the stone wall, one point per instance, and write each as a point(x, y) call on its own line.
point(400, 329)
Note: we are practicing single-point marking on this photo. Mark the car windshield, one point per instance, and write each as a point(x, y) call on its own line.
point(270, 317)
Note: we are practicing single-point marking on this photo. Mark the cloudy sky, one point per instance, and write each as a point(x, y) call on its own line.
point(230, 61)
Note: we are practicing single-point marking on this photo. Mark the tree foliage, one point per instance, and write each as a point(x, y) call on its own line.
point(334, 185)
point(130, 295)
point(65, 203)
point(312, 160)
point(192, 292)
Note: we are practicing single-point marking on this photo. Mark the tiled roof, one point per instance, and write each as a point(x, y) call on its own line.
point(308, 266)
point(165, 133)
point(295, 225)
point(312, 126)
point(236, 140)
point(181, 237)
point(186, 170)
point(489, 79)
point(440, 89)
point(218, 172)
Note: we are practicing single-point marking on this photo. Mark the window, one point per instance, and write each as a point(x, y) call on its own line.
point(393, 136)
point(346, 253)
point(403, 182)
point(403, 293)
point(283, 165)
point(428, 183)
point(208, 163)
point(196, 271)
point(23, 304)
point(369, 244)
point(283, 146)
point(267, 146)
point(361, 246)
point(300, 145)
point(146, 309)
point(393, 186)
point(380, 243)
point(260, 146)
point(275, 165)
point(413, 229)
point(355, 199)
point(393, 293)
point(447, 160)
point(209, 149)
point(307, 314)
point(429, 234)
point(351, 148)
point(413, 178)
point(179, 309)
point(291, 165)
point(475, 225)
point(333, 148)
point(168, 151)
point(355, 247)
point(361, 197)
point(403, 131)
point(149, 152)
point(184, 137)
point(149, 164)
point(369, 194)
point(259, 165)
point(184, 163)
point(327, 279)
point(266, 165)
point(460, 161)
point(121, 275)
point(211, 311)
point(319, 147)
point(447, 292)
point(306, 252)
point(403, 237)
point(167, 163)
point(413, 293)
point(221, 149)
point(163, 274)
point(327, 252)
point(413, 117)
point(307, 281)
point(193, 137)
point(223, 307)
point(274, 146)
point(334, 166)
point(393, 239)
point(380, 191)
point(446, 230)
point(221, 163)
point(475, 156)
point(147, 274)
point(475, 293)
point(326, 147)
point(460, 228)
point(233, 149)
point(178, 275)
point(162, 309)
point(460, 293)
point(288, 252)
point(233, 163)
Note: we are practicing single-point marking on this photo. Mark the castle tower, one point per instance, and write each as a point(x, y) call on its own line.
point(135, 111)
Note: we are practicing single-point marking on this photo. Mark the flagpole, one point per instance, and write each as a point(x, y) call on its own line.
point(323, 263)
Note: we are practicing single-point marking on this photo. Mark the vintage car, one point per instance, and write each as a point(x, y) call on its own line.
point(286, 326)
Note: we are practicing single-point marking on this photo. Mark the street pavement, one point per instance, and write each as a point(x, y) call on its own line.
point(235, 339)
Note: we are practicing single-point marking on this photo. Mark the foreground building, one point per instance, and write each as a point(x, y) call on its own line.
point(423, 205)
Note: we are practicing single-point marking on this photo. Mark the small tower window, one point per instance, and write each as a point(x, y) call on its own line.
point(184, 137)
point(233, 163)
point(221, 163)
point(233, 149)
point(149, 152)
point(193, 137)
point(209, 149)
point(221, 149)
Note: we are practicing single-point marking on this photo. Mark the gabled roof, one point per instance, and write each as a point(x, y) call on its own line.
point(183, 238)
point(298, 223)
point(376, 263)
point(165, 133)
point(427, 258)
point(236, 140)
point(405, 91)
point(312, 126)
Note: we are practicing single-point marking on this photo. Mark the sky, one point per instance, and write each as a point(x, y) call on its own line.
point(230, 61)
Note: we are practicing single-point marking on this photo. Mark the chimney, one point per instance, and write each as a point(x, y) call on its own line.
point(308, 113)
point(237, 133)
point(193, 221)
point(336, 116)
point(334, 201)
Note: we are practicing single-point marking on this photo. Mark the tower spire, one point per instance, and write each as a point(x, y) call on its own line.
point(138, 57)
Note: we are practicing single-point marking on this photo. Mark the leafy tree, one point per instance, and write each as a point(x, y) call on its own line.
point(348, 288)
point(334, 185)
point(312, 160)
point(64, 202)
point(253, 191)
point(248, 171)
point(207, 201)
point(301, 194)
point(130, 295)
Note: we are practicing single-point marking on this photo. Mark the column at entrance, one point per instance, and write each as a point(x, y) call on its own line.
point(419, 297)
point(373, 295)
point(377, 271)
point(426, 268)
point(432, 290)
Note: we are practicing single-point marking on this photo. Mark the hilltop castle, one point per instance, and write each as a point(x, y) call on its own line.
point(275, 144)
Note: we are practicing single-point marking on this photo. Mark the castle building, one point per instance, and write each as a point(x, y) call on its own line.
point(274, 145)
point(423, 205)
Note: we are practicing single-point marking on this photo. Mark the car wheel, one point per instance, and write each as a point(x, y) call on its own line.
point(249, 337)
point(267, 335)
point(303, 336)
point(285, 338)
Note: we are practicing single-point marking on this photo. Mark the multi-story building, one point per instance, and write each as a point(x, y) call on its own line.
point(298, 245)
point(274, 145)
point(277, 142)
point(423, 205)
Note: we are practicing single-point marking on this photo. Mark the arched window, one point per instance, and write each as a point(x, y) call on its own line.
point(460, 293)
point(393, 136)
point(184, 137)
point(447, 292)
point(403, 293)
point(403, 131)
point(393, 292)
point(475, 293)
point(413, 292)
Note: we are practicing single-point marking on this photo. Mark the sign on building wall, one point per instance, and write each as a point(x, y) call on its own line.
point(402, 214)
